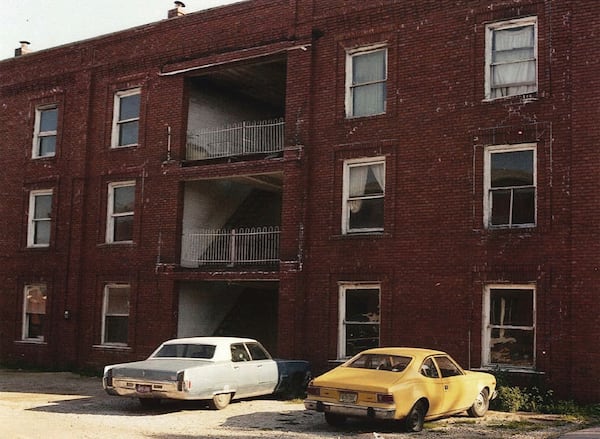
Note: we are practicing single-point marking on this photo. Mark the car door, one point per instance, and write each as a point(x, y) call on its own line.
point(433, 386)
point(453, 382)
point(267, 372)
point(244, 371)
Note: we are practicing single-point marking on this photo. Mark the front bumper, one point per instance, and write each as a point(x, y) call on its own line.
point(350, 410)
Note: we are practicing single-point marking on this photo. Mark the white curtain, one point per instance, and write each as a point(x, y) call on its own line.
point(368, 82)
point(513, 61)
point(358, 183)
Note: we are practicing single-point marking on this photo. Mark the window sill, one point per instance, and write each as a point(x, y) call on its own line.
point(111, 347)
point(508, 369)
point(119, 147)
point(359, 235)
point(525, 98)
point(32, 342)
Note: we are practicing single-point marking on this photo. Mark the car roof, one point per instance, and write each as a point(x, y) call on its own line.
point(210, 340)
point(418, 353)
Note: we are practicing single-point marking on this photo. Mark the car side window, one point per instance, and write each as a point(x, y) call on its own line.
point(239, 353)
point(447, 367)
point(257, 351)
point(428, 369)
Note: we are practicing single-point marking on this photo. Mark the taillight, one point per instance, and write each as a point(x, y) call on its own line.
point(385, 398)
point(313, 390)
point(180, 383)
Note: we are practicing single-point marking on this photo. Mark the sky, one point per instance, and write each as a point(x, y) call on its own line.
point(51, 23)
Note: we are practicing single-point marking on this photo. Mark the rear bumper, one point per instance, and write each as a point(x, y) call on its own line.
point(350, 410)
point(129, 388)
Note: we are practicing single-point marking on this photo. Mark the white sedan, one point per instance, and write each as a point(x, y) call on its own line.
point(216, 369)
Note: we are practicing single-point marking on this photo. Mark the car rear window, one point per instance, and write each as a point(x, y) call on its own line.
point(204, 351)
point(393, 363)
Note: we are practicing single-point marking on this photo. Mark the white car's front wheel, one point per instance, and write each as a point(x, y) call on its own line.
point(220, 401)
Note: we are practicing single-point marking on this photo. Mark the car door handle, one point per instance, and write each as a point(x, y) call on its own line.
point(445, 387)
point(259, 365)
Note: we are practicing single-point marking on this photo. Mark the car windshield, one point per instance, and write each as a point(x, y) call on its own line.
point(205, 351)
point(394, 363)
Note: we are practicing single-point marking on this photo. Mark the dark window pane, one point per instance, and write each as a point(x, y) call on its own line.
point(41, 232)
point(124, 198)
point(129, 107)
point(361, 337)
point(512, 169)
point(366, 214)
point(47, 145)
point(257, 352)
point(511, 307)
point(524, 206)
point(48, 120)
point(35, 325)
point(116, 329)
point(43, 206)
point(512, 347)
point(501, 207)
point(128, 133)
point(362, 305)
point(123, 228)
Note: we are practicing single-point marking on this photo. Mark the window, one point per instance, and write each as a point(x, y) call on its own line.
point(239, 353)
point(121, 199)
point(44, 133)
point(366, 75)
point(447, 367)
point(115, 314)
point(40, 219)
point(359, 318)
point(34, 312)
point(509, 331)
point(257, 351)
point(364, 191)
point(126, 118)
point(511, 58)
point(510, 186)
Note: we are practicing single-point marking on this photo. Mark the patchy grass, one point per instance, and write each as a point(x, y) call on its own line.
point(516, 426)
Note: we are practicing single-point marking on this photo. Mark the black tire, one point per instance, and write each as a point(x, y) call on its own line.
point(149, 403)
point(334, 419)
point(220, 401)
point(416, 417)
point(480, 406)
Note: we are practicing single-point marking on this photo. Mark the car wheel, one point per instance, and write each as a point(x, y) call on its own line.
point(480, 406)
point(220, 401)
point(334, 419)
point(149, 403)
point(416, 417)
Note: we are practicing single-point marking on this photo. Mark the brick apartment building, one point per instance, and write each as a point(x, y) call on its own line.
point(324, 176)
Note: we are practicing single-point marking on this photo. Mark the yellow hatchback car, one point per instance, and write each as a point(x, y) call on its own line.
point(409, 384)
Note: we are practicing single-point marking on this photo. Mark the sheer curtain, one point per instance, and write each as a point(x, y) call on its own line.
point(368, 83)
point(513, 61)
point(358, 183)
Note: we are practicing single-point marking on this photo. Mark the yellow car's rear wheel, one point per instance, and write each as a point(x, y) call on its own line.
point(416, 417)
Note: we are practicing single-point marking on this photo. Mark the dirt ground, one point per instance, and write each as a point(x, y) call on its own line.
point(64, 405)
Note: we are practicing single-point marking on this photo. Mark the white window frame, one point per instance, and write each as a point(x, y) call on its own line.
point(487, 196)
point(488, 327)
point(350, 54)
point(111, 215)
point(105, 300)
point(343, 288)
point(39, 135)
point(25, 336)
point(32, 220)
point(348, 164)
point(117, 122)
point(489, 32)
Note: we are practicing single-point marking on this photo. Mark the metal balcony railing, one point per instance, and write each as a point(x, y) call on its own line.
point(243, 138)
point(256, 245)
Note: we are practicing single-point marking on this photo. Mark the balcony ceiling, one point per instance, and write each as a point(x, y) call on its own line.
point(264, 82)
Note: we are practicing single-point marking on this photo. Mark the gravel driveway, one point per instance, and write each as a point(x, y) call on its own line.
point(64, 405)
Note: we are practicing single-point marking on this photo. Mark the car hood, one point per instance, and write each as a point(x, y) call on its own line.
point(159, 369)
point(359, 379)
